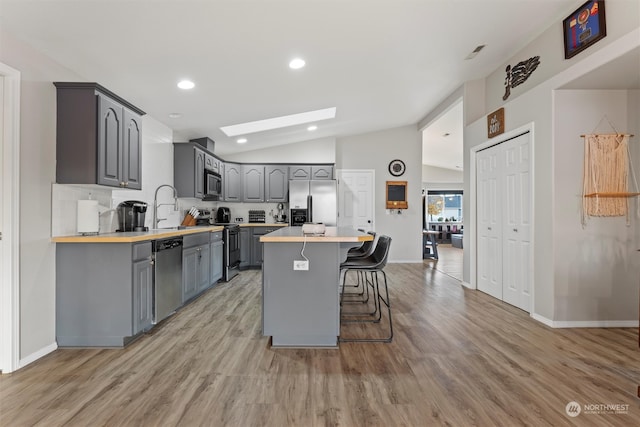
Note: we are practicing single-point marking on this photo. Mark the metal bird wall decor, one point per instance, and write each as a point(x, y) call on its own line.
point(519, 74)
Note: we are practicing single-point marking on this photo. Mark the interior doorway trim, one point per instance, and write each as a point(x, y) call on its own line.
point(473, 243)
point(10, 266)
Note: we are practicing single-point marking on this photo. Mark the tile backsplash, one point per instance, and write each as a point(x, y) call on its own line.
point(64, 202)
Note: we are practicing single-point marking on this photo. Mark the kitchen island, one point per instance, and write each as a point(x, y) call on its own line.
point(301, 308)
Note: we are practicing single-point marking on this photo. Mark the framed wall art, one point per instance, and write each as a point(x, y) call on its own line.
point(584, 27)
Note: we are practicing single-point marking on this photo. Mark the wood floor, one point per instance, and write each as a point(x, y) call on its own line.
point(458, 358)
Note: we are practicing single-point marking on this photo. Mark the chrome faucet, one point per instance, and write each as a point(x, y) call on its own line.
point(156, 205)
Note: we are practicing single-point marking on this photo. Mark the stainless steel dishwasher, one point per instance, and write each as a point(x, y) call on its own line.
point(167, 277)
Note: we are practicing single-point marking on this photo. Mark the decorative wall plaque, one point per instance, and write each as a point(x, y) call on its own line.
point(519, 74)
point(495, 123)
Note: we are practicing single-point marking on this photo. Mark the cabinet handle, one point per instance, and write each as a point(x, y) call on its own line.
point(121, 183)
point(515, 229)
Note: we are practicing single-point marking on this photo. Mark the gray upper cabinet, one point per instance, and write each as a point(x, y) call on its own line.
point(310, 171)
point(322, 172)
point(299, 172)
point(276, 183)
point(253, 183)
point(98, 137)
point(188, 170)
point(232, 182)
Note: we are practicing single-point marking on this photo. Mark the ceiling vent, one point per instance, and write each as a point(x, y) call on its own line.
point(475, 52)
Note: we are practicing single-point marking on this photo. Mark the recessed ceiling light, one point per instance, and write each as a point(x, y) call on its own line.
point(186, 84)
point(312, 128)
point(296, 63)
point(279, 122)
point(241, 140)
point(175, 115)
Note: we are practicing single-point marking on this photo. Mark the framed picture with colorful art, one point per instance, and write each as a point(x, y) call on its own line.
point(584, 27)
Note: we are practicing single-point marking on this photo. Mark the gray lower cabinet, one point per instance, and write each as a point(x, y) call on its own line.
point(216, 248)
point(195, 265)
point(245, 247)
point(98, 137)
point(103, 293)
point(188, 170)
point(256, 245)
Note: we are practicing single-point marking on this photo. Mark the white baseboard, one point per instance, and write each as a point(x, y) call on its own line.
point(467, 285)
point(586, 323)
point(37, 355)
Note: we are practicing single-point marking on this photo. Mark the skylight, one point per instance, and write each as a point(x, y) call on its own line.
point(279, 122)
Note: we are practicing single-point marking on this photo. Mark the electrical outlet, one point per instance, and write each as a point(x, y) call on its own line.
point(300, 265)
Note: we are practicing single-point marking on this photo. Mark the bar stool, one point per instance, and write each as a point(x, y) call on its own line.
point(362, 251)
point(372, 265)
point(430, 244)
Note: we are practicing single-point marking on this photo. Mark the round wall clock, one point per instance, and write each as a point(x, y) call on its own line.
point(396, 167)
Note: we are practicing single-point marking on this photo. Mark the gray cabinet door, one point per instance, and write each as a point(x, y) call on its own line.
point(132, 149)
point(276, 183)
point(245, 247)
point(232, 182)
point(110, 123)
point(215, 264)
point(299, 172)
point(198, 173)
point(322, 172)
point(189, 273)
point(202, 268)
point(142, 295)
point(256, 251)
point(253, 183)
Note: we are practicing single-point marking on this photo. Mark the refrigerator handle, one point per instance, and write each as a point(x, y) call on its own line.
point(309, 208)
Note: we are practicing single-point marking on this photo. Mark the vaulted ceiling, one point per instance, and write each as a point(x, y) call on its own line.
point(381, 63)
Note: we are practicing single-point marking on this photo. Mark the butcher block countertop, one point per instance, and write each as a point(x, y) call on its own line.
point(136, 236)
point(332, 234)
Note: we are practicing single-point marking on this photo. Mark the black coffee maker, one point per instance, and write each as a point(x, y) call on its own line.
point(131, 216)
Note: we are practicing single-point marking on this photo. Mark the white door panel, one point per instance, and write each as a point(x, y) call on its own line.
point(503, 182)
point(356, 199)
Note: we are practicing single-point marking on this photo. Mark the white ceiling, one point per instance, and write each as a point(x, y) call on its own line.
point(382, 63)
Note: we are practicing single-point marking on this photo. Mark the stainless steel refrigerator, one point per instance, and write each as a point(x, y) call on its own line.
point(313, 201)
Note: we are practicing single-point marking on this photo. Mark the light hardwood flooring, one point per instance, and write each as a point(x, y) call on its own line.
point(458, 358)
point(449, 261)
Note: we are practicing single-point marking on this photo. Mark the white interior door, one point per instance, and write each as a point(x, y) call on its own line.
point(356, 199)
point(503, 189)
point(489, 220)
point(516, 280)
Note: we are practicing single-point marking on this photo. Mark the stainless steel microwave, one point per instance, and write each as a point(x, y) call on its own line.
point(212, 185)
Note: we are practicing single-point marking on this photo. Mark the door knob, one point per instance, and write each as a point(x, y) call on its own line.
point(515, 229)
point(489, 228)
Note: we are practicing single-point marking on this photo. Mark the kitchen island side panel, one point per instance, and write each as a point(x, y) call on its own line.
point(93, 294)
point(301, 308)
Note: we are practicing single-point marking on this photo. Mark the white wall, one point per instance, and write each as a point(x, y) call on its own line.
point(374, 151)
point(37, 172)
point(622, 17)
point(433, 174)
point(596, 268)
point(536, 107)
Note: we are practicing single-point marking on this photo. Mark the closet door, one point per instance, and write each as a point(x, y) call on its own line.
point(503, 185)
point(516, 278)
point(489, 213)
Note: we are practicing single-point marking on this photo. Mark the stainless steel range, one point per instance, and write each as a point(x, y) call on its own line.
point(231, 258)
